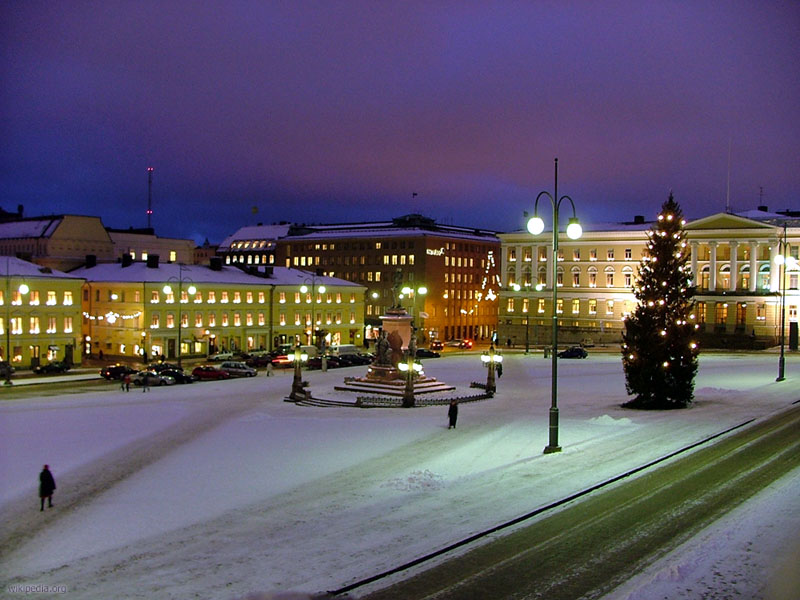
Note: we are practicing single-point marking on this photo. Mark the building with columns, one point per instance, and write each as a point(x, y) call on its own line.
point(733, 259)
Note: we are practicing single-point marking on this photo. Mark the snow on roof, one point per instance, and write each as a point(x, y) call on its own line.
point(16, 267)
point(257, 232)
point(376, 232)
point(139, 272)
point(30, 228)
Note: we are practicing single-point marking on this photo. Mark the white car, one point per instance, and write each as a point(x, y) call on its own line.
point(153, 378)
point(237, 369)
point(221, 356)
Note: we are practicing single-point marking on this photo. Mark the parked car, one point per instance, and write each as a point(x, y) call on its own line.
point(425, 353)
point(352, 360)
point(220, 356)
point(204, 372)
point(57, 366)
point(437, 345)
point(237, 369)
point(153, 378)
point(163, 366)
point(573, 352)
point(283, 361)
point(179, 375)
point(315, 362)
point(117, 371)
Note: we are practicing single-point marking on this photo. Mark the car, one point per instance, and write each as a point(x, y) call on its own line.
point(437, 345)
point(573, 352)
point(206, 372)
point(220, 356)
point(315, 362)
point(425, 353)
point(152, 378)
point(163, 366)
point(6, 369)
point(57, 366)
point(117, 371)
point(353, 360)
point(179, 376)
point(259, 360)
point(463, 344)
point(237, 369)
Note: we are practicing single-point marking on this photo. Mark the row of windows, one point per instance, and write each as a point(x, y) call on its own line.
point(527, 254)
point(200, 319)
point(251, 259)
point(35, 298)
point(211, 297)
point(592, 273)
point(574, 304)
point(387, 259)
point(34, 325)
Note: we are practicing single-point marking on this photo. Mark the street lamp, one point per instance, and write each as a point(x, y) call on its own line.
point(21, 290)
point(491, 359)
point(412, 293)
point(298, 391)
point(785, 263)
point(191, 290)
point(143, 349)
point(304, 289)
point(574, 231)
point(409, 367)
point(516, 287)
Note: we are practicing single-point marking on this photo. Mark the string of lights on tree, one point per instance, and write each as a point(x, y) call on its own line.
point(659, 351)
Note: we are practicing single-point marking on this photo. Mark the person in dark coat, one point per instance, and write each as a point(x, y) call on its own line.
point(47, 486)
point(452, 413)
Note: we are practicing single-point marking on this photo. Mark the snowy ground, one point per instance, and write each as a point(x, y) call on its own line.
point(216, 490)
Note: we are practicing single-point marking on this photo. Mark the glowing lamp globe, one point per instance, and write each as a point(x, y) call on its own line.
point(535, 225)
point(574, 229)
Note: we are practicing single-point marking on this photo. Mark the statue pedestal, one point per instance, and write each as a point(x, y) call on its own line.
point(398, 321)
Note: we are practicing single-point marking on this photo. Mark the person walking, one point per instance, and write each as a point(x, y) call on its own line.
point(146, 382)
point(270, 370)
point(127, 381)
point(47, 486)
point(452, 414)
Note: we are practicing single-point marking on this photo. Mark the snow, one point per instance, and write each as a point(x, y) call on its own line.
point(222, 489)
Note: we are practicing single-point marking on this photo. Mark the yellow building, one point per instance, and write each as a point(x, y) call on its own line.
point(131, 309)
point(40, 314)
point(733, 259)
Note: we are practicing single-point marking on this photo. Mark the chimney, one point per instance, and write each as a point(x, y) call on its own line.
point(267, 271)
point(215, 262)
point(91, 261)
point(152, 261)
point(763, 208)
point(638, 219)
point(127, 260)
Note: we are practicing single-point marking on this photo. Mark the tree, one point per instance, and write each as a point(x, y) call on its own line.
point(659, 353)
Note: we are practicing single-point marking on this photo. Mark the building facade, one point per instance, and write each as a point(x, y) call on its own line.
point(457, 266)
point(40, 314)
point(169, 309)
point(733, 260)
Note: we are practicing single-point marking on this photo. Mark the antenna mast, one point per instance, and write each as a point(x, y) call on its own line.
point(728, 192)
point(149, 195)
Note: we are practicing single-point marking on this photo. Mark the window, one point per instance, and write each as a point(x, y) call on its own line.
point(560, 305)
point(184, 296)
point(576, 306)
point(169, 296)
point(576, 277)
point(610, 254)
point(212, 297)
point(51, 298)
point(609, 277)
point(34, 298)
point(609, 307)
point(212, 319)
point(281, 318)
point(137, 296)
point(198, 319)
point(34, 324)
point(154, 321)
point(184, 319)
point(223, 298)
point(512, 255)
point(627, 274)
point(224, 319)
point(154, 297)
point(67, 324)
point(540, 307)
point(576, 254)
point(170, 320)
point(248, 319)
point(237, 320)
point(261, 320)
point(510, 305)
point(592, 306)
point(593, 254)
point(173, 256)
point(237, 297)
point(261, 298)
point(51, 324)
point(525, 303)
point(628, 254)
point(16, 325)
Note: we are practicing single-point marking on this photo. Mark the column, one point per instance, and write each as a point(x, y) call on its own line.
point(774, 269)
point(712, 267)
point(753, 266)
point(518, 265)
point(695, 274)
point(734, 266)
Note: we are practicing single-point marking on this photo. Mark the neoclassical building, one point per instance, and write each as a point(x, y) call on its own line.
point(733, 259)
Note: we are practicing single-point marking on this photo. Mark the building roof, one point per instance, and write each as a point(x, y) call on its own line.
point(16, 267)
point(139, 272)
point(256, 233)
point(41, 227)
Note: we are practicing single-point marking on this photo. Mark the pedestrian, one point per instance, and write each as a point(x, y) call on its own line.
point(499, 369)
point(508, 342)
point(146, 382)
point(127, 381)
point(47, 486)
point(270, 370)
point(452, 413)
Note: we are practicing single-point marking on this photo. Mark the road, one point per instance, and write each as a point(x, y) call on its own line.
point(591, 546)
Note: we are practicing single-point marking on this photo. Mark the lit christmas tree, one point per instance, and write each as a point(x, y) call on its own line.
point(659, 353)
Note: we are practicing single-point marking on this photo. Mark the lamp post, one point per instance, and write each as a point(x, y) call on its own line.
point(21, 290)
point(574, 231)
point(191, 290)
point(144, 347)
point(314, 289)
point(407, 291)
point(409, 367)
point(784, 262)
point(298, 391)
point(491, 359)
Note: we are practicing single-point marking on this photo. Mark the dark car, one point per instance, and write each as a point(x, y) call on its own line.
point(204, 372)
point(425, 353)
point(283, 361)
point(261, 360)
point(316, 362)
point(57, 366)
point(116, 371)
point(163, 366)
point(178, 375)
point(573, 352)
point(437, 345)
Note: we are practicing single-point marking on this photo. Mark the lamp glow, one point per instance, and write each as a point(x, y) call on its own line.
point(535, 225)
point(574, 229)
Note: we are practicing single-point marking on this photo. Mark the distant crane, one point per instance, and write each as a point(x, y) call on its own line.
point(149, 195)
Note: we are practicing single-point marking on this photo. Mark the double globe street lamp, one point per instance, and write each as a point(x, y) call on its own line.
point(180, 279)
point(492, 359)
point(574, 231)
point(784, 262)
point(21, 290)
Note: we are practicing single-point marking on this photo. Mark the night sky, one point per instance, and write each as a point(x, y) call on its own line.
point(327, 111)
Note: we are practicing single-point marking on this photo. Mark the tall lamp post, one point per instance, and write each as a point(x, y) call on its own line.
point(784, 262)
point(407, 291)
point(21, 290)
point(491, 359)
point(191, 290)
point(574, 231)
point(314, 289)
point(298, 391)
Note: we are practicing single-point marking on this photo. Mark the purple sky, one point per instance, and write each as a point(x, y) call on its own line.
point(339, 111)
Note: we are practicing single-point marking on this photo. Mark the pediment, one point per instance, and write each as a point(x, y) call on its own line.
point(726, 221)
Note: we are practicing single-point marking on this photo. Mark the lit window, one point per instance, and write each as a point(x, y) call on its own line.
point(212, 319)
point(198, 319)
point(170, 320)
point(67, 324)
point(224, 319)
point(212, 297)
point(249, 297)
point(224, 298)
point(261, 320)
point(282, 319)
point(248, 319)
point(576, 306)
point(237, 297)
point(51, 324)
point(154, 297)
point(592, 307)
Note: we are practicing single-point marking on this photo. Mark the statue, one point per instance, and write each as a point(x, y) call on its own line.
point(397, 284)
point(383, 355)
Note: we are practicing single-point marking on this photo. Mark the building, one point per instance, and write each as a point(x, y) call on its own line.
point(132, 308)
point(140, 243)
point(457, 266)
point(253, 245)
point(41, 314)
point(732, 257)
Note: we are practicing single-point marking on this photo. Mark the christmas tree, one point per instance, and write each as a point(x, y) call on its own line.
point(659, 353)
